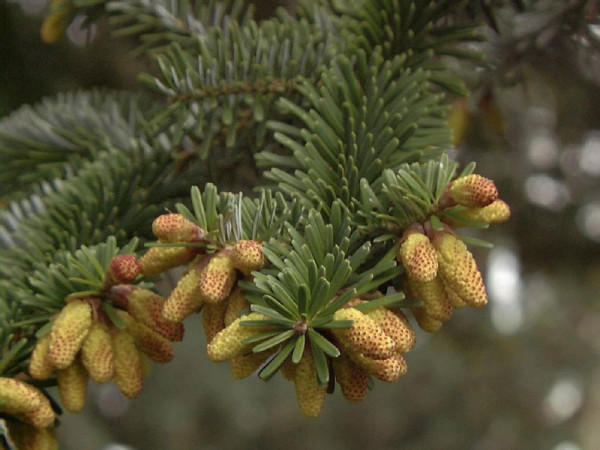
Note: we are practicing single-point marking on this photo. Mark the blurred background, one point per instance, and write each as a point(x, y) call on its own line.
point(522, 373)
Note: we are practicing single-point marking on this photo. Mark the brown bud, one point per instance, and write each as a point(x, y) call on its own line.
point(123, 269)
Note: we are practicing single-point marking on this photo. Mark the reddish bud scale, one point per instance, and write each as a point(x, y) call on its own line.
point(459, 269)
point(418, 256)
point(147, 307)
point(395, 326)
point(176, 228)
point(217, 278)
point(160, 259)
point(123, 269)
point(236, 303)
point(40, 366)
point(97, 353)
point(185, 298)
point(473, 191)
point(68, 333)
point(128, 364)
point(310, 395)
point(72, 384)
point(364, 336)
point(213, 319)
point(247, 256)
point(351, 378)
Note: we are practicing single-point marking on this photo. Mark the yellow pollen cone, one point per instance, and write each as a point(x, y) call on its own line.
point(160, 259)
point(310, 395)
point(40, 366)
point(128, 364)
point(247, 256)
point(97, 353)
point(418, 256)
point(236, 303)
point(213, 319)
point(473, 190)
point(217, 279)
point(68, 332)
point(229, 342)
point(72, 384)
point(396, 326)
point(351, 378)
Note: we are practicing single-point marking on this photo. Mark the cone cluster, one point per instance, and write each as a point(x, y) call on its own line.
point(85, 343)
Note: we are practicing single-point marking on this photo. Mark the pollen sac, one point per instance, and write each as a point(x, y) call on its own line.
point(213, 319)
point(351, 378)
point(148, 341)
point(26, 437)
point(473, 191)
point(418, 256)
point(309, 393)
point(128, 364)
point(396, 326)
point(123, 269)
point(185, 298)
point(160, 259)
point(72, 384)
point(364, 336)
point(40, 366)
point(496, 212)
point(247, 256)
point(236, 303)
point(147, 307)
point(97, 353)
point(68, 332)
point(176, 228)
point(459, 269)
point(217, 278)
point(245, 365)
point(389, 369)
point(229, 342)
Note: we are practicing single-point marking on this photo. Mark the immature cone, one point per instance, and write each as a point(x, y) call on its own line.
point(25, 402)
point(68, 332)
point(473, 190)
point(72, 384)
point(97, 353)
point(148, 341)
point(123, 269)
point(147, 307)
point(160, 259)
point(236, 303)
point(351, 378)
point(389, 369)
point(310, 395)
point(494, 213)
point(459, 269)
point(185, 298)
point(245, 365)
point(128, 364)
point(40, 366)
point(247, 256)
point(229, 342)
point(396, 326)
point(26, 437)
point(364, 336)
point(418, 256)
point(213, 319)
point(176, 228)
point(217, 278)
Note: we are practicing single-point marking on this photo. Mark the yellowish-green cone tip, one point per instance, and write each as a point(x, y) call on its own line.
point(473, 191)
point(185, 298)
point(72, 384)
point(247, 256)
point(310, 395)
point(160, 259)
point(213, 319)
point(418, 256)
point(147, 307)
point(217, 278)
point(68, 332)
point(128, 364)
point(176, 228)
point(395, 326)
point(459, 269)
point(364, 336)
point(97, 353)
point(40, 366)
point(229, 342)
point(496, 212)
point(26, 437)
point(351, 378)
